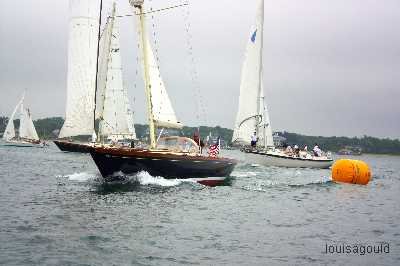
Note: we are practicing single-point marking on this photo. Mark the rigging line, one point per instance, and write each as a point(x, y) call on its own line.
point(152, 11)
point(200, 107)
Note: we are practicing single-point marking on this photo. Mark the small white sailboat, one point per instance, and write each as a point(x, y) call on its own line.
point(27, 135)
point(253, 117)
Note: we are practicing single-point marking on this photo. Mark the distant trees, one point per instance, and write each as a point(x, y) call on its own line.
point(48, 128)
point(366, 143)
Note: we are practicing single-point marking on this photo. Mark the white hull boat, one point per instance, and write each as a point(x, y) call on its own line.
point(278, 158)
point(22, 144)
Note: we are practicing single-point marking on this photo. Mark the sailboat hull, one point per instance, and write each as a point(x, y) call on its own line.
point(21, 144)
point(69, 146)
point(204, 170)
point(268, 159)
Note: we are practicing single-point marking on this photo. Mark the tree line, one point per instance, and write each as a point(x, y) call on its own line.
point(48, 128)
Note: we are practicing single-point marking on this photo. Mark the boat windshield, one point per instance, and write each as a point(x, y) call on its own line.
point(178, 144)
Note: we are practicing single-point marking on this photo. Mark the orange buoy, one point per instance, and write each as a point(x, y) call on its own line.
point(351, 171)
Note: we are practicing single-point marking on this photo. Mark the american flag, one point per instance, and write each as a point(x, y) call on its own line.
point(213, 151)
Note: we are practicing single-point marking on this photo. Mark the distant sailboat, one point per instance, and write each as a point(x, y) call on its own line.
point(112, 105)
point(27, 135)
point(253, 117)
point(169, 157)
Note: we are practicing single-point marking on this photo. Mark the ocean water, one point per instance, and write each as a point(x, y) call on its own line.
point(54, 210)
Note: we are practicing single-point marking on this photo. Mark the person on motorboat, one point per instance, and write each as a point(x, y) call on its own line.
point(317, 151)
point(296, 150)
point(289, 150)
point(254, 140)
point(199, 141)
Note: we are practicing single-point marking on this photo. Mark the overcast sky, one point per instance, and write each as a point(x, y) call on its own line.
point(330, 67)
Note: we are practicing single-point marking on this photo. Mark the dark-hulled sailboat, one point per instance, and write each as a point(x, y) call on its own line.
point(169, 157)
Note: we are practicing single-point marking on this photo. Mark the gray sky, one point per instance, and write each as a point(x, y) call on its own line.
point(330, 67)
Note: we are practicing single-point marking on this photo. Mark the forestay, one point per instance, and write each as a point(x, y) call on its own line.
point(81, 78)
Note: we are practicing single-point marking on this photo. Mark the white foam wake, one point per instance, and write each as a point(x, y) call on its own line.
point(144, 178)
point(243, 174)
point(81, 177)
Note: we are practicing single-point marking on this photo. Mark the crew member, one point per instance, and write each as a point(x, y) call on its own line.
point(254, 140)
point(317, 151)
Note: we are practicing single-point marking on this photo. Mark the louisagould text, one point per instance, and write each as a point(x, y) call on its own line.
point(357, 249)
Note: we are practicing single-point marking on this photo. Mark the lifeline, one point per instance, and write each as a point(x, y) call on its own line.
point(357, 249)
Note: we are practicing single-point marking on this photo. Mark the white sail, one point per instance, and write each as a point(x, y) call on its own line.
point(265, 129)
point(117, 117)
point(163, 112)
point(249, 115)
point(26, 128)
point(104, 57)
point(82, 57)
point(9, 132)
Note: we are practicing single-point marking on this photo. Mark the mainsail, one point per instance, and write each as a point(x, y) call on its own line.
point(163, 112)
point(81, 78)
point(115, 113)
point(26, 128)
point(252, 115)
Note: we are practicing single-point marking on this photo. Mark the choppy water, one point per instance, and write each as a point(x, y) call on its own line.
point(54, 210)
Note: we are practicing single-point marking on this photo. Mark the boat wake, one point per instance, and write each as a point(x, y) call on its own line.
point(144, 178)
point(81, 177)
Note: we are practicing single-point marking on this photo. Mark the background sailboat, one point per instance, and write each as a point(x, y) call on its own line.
point(27, 135)
point(253, 117)
point(113, 111)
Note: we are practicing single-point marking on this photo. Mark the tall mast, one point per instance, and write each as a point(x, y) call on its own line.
point(139, 5)
point(97, 67)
